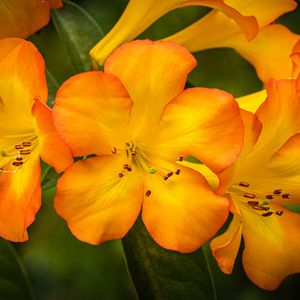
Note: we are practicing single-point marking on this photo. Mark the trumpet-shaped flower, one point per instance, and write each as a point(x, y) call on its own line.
point(27, 132)
point(21, 18)
point(217, 30)
point(264, 179)
point(140, 14)
point(138, 122)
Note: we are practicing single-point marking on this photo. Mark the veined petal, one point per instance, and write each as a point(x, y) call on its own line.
point(271, 247)
point(22, 78)
point(253, 101)
point(225, 247)
point(140, 14)
point(90, 108)
point(204, 123)
point(21, 18)
point(98, 204)
point(181, 213)
point(153, 73)
point(20, 199)
point(52, 148)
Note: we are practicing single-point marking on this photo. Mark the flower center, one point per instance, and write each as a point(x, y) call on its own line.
point(12, 159)
point(257, 201)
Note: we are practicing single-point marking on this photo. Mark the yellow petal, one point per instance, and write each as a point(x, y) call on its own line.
point(90, 108)
point(181, 213)
point(253, 101)
point(98, 204)
point(295, 56)
point(140, 14)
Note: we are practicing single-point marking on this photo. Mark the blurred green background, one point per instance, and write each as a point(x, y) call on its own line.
point(61, 267)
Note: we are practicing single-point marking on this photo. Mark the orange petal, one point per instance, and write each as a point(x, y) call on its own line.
point(56, 4)
point(253, 101)
point(204, 123)
point(225, 247)
point(52, 148)
point(272, 247)
point(21, 18)
point(22, 78)
point(20, 195)
point(182, 212)
point(153, 74)
point(295, 56)
point(90, 108)
point(140, 14)
point(98, 204)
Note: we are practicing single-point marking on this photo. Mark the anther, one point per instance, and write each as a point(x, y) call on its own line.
point(279, 212)
point(180, 158)
point(177, 172)
point(170, 174)
point(148, 193)
point(259, 207)
point(245, 184)
point(286, 196)
point(114, 150)
point(19, 158)
point(133, 153)
point(17, 163)
point(26, 144)
point(270, 197)
point(249, 195)
point(267, 214)
point(121, 175)
point(277, 192)
point(166, 177)
point(18, 147)
point(253, 203)
point(25, 152)
point(126, 166)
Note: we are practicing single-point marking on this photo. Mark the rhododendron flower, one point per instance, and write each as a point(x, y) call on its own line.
point(265, 179)
point(217, 30)
point(27, 132)
point(21, 18)
point(138, 122)
point(140, 14)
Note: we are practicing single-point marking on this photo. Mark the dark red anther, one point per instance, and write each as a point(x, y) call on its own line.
point(270, 197)
point(17, 163)
point(18, 147)
point(249, 195)
point(279, 212)
point(166, 177)
point(267, 214)
point(26, 144)
point(177, 172)
point(277, 192)
point(286, 196)
point(25, 152)
point(114, 150)
point(125, 167)
point(121, 175)
point(244, 184)
point(253, 203)
point(260, 207)
point(19, 158)
point(180, 158)
point(170, 174)
point(148, 193)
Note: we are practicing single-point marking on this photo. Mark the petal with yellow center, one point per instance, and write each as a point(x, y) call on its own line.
point(20, 198)
point(153, 73)
point(252, 101)
point(271, 246)
point(51, 146)
point(140, 14)
point(182, 212)
point(97, 203)
point(204, 123)
point(90, 108)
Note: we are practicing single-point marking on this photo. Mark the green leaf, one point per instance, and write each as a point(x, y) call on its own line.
point(52, 87)
point(79, 32)
point(14, 284)
point(158, 273)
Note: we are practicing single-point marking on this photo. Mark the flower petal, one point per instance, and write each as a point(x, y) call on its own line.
point(97, 204)
point(295, 56)
point(225, 247)
point(253, 101)
point(55, 4)
point(140, 14)
point(182, 212)
point(21, 18)
point(271, 247)
point(52, 148)
point(90, 108)
point(204, 123)
point(20, 199)
point(153, 74)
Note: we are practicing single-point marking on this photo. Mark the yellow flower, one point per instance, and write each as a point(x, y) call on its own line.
point(264, 179)
point(27, 132)
point(138, 122)
point(140, 14)
point(21, 18)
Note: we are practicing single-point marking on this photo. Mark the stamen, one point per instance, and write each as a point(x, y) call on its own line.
point(244, 184)
point(19, 158)
point(277, 192)
point(177, 172)
point(166, 177)
point(148, 193)
point(249, 195)
point(260, 207)
point(18, 147)
point(270, 197)
point(114, 150)
point(17, 163)
point(152, 170)
point(267, 214)
point(26, 144)
point(286, 196)
point(25, 152)
point(170, 174)
point(121, 175)
point(253, 203)
point(279, 212)
point(180, 158)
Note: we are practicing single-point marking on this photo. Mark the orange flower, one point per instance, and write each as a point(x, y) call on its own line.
point(140, 14)
point(138, 122)
point(264, 179)
point(27, 132)
point(21, 18)
point(274, 43)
